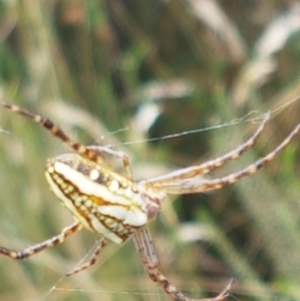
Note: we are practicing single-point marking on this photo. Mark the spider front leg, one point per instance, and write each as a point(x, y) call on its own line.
point(144, 246)
point(187, 186)
point(53, 241)
point(206, 167)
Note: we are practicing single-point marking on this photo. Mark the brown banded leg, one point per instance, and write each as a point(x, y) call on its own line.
point(91, 152)
point(107, 150)
point(56, 131)
point(53, 241)
point(92, 259)
point(206, 167)
point(190, 186)
point(144, 245)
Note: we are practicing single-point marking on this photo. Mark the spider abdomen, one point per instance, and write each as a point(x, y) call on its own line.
point(100, 200)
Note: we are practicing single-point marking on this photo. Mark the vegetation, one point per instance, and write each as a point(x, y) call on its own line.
point(127, 74)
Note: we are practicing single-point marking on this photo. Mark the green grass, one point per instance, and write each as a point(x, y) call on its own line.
point(93, 67)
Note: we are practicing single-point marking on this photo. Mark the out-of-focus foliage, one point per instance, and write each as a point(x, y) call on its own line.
point(121, 72)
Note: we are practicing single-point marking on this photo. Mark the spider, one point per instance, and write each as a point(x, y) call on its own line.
point(116, 207)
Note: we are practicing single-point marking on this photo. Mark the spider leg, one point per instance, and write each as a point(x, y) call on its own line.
point(145, 247)
point(92, 259)
point(53, 241)
point(56, 131)
point(119, 154)
point(209, 166)
point(192, 186)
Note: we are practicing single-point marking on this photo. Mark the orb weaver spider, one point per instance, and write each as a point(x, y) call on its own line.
point(116, 206)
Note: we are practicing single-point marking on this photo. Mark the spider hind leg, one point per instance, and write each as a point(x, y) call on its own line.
point(92, 258)
point(51, 242)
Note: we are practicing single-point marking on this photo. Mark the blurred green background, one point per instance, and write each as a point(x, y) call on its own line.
point(126, 74)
